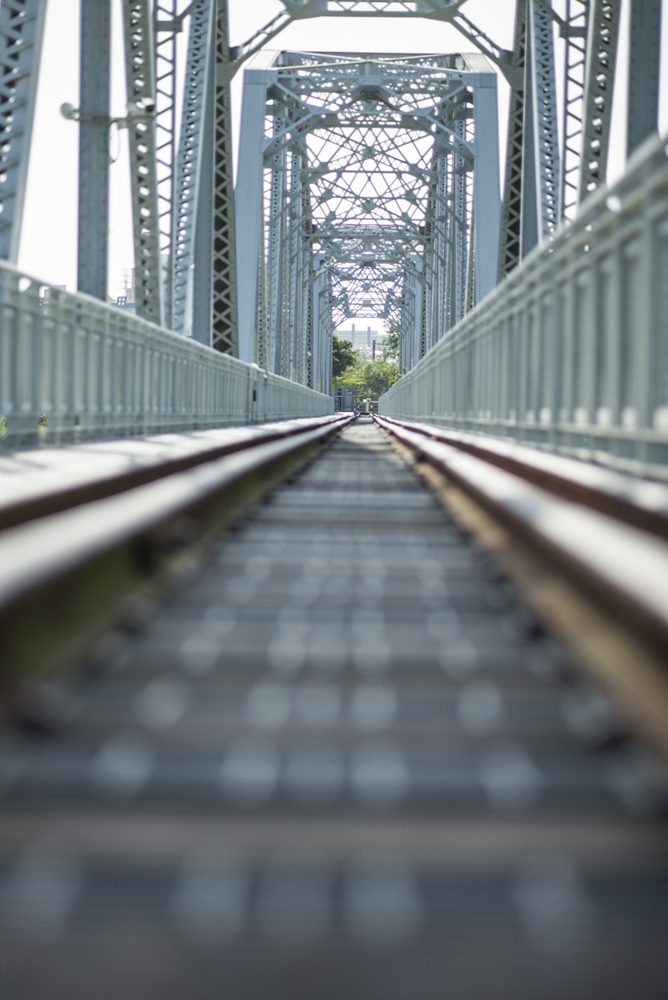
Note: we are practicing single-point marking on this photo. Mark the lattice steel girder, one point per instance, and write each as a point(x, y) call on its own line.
point(439, 10)
point(94, 147)
point(532, 185)
point(541, 139)
point(510, 248)
point(602, 38)
point(203, 236)
point(21, 32)
point(322, 327)
point(240, 53)
point(189, 164)
point(353, 146)
point(166, 27)
point(574, 31)
point(141, 90)
point(224, 336)
point(409, 326)
point(643, 95)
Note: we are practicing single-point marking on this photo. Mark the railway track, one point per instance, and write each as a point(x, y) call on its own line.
point(336, 750)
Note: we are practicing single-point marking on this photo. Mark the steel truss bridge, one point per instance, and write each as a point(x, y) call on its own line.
point(368, 185)
point(296, 703)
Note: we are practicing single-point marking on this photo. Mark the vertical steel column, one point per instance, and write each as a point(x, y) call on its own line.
point(543, 123)
point(574, 32)
point(305, 231)
point(165, 26)
point(276, 254)
point(94, 148)
point(486, 198)
point(203, 221)
point(322, 326)
point(294, 277)
point(261, 352)
point(439, 236)
point(224, 298)
point(602, 36)
point(470, 280)
point(189, 163)
point(449, 238)
point(643, 106)
point(513, 197)
point(21, 31)
point(428, 288)
point(140, 76)
point(411, 317)
point(249, 203)
point(303, 266)
point(284, 262)
point(460, 224)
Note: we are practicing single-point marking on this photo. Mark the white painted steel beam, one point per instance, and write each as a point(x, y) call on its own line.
point(574, 32)
point(94, 147)
point(141, 95)
point(514, 195)
point(189, 166)
point(202, 308)
point(249, 198)
point(601, 58)
point(224, 331)
point(166, 28)
point(487, 203)
point(21, 31)
point(643, 91)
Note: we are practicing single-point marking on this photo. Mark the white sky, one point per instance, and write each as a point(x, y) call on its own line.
point(48, 245)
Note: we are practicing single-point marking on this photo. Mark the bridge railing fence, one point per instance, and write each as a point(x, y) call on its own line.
point(570, 351)
point(73, 369)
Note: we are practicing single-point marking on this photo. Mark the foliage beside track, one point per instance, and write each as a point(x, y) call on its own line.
point(372, 378)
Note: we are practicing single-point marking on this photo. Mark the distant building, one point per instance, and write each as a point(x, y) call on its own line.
point(127, 299)
point(51, 293)
point(369, 342)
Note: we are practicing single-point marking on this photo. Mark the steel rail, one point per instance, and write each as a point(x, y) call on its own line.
point(641, 503)
point(66, 575)
point(596, 582)
point(340, 751)
point(38, 496)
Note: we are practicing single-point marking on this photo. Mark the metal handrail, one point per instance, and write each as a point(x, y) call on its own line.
point(73, 368)
point(570, 351)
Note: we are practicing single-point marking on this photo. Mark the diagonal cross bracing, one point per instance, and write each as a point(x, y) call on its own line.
point(358, 178)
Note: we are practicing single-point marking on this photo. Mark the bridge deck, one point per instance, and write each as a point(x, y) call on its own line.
point(341, 759)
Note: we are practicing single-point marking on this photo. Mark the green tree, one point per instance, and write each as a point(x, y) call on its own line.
point(392, 346)
point(372, 378)
point(344, 356)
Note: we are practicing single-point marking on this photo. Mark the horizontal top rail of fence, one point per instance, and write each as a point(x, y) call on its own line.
point(73, 368)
